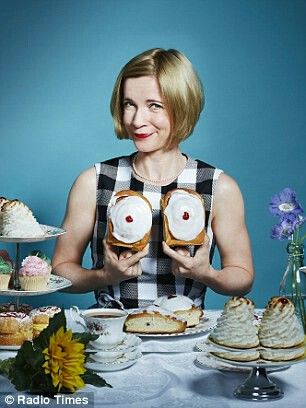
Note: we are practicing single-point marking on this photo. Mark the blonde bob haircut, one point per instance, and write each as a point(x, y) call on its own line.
point(180, 88)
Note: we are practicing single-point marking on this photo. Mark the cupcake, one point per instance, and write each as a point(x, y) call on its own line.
point(34, 273)
point(42, 256)
point(6, 270)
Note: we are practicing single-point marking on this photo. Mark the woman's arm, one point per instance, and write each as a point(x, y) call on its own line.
point(236, 274)
point(70, 247)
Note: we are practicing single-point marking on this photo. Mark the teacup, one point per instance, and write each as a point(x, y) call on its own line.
point(107, 323)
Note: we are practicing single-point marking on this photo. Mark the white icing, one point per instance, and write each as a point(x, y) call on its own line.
point(181, 202)
point(235, 326)
point(134, 208)
point(19, 221)
point(280, 326)
point(48, 310)
point(175, 303)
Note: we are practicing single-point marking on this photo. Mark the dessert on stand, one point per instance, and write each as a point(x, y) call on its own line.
point(18, 226)
point(55, 283)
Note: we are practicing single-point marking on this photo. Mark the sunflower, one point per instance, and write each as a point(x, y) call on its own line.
point(64, 361)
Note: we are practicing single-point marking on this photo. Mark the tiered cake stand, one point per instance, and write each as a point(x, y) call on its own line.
point(55, 283)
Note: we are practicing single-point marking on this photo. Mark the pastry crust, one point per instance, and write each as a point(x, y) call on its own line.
point(153, 322)
point(41, 317)
point(168, 237)
point(134, 246)
point(15, 328)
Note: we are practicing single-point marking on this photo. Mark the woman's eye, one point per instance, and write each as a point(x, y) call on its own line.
point(128, 105)
point(155, 106)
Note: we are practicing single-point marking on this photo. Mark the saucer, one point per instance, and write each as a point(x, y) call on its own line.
point(129, 341)
point(120, 364)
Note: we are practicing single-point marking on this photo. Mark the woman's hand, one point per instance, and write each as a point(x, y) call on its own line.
point(185, 266)
point(121, 267)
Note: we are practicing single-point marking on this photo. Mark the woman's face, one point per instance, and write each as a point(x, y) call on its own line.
point(144, 115)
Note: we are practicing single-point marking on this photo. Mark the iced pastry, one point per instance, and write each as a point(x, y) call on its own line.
point(280, 327)
point(41, 318)
point(183, 217)
point(6, 270)
point(245, 355)
point(15, 328)
point(34, 273)
point(18, 221)
point(129, 220)
point(3, 200)
point(154, 320)
point(235, 327)
point(181, 306)
point(282, 354)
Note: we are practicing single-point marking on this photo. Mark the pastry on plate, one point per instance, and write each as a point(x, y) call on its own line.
point(15, 328)
point(154, 320)
point(245, 355)
point(282, 354)
point(183, 217)
point(41, 317)
point(279, 326)
point(12, 307)
point(129, 220)
point(18, 221)
point(6, 270)
point(235, 327)
point(34, 273)
point(181, 306)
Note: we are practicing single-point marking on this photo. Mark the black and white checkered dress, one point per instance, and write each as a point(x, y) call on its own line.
point(156, 280)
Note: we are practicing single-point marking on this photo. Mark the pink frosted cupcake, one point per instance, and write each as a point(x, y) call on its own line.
point(34, 273)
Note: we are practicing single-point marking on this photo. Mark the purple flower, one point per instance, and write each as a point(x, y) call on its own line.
point(285, 203)
point(288, 225)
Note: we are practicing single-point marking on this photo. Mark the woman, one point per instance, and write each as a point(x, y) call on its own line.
point(156, 102)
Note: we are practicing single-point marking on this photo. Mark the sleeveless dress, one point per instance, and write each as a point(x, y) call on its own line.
point(156, 279)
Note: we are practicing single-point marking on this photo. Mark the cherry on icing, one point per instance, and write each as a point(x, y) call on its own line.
point(129, 218)
point(185, 216)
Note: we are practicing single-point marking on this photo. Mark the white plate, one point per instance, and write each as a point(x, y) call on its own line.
point(10, 348)
point(51, 232)
point(206, 360)
point(55, 283)
point(117, 365)
point(129, 341)
point(206, 324)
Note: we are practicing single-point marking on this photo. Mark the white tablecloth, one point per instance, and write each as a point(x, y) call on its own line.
point(161, 379)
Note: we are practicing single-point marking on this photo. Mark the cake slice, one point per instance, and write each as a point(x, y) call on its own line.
point(154, 320)
point(181, 306)
point(18, 221)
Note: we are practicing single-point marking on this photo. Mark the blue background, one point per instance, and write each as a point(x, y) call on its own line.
point(60, 58)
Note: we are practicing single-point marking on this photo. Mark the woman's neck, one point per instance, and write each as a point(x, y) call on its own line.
point(160, 168)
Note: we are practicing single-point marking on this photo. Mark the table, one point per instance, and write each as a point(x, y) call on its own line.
point(167, 376)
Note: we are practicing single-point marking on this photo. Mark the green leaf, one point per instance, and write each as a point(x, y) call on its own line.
point(6, 365)
point(85, 338)
point(57, 321)
point(26, 364)
point(90, 377)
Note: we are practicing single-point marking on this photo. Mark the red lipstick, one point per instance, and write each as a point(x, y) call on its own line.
point(141, 135)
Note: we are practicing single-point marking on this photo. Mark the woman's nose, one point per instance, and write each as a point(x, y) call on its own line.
point(140, 117)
